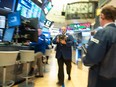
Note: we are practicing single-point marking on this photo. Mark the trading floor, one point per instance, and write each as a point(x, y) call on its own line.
point(78, 76)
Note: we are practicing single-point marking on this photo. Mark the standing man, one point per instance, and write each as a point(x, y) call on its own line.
point(39, 48)
point(101, 52)
point(64, 42)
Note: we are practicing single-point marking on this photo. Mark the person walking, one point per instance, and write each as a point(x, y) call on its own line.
point(101, 56)
point(64, 41)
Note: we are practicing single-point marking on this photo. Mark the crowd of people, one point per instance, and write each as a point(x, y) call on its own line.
point(100, 56)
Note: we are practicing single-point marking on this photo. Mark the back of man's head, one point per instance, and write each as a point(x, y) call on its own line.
point(109, 12)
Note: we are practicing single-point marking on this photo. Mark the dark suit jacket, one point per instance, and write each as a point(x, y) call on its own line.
point(101, 63)
point(64, 50)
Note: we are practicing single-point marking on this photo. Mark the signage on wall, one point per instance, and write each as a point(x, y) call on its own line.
point(80, 26)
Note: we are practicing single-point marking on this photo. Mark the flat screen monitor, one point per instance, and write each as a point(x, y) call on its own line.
point(14, 19)
point(8, 34)
point(28, 9)
point(28, 36)
point(2, 21)
point(48, 7)
point(42, 17)
point(32, 23)
point(8, 4)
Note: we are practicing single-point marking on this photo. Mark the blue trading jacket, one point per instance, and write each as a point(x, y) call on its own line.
point(64, 50)
point(39, 46)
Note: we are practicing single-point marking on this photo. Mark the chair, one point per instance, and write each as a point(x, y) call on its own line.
point(7, 58)
point(27, 56)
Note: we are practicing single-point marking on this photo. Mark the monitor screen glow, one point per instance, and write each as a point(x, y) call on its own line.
point(8, 35)
point(28, 9)
point(14, 19)
point(2, 21)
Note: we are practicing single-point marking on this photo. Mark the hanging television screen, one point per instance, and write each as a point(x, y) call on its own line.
point(42, 19)
point(7, 4)
point(48, 7)
point(48, 23)
point(28, 9)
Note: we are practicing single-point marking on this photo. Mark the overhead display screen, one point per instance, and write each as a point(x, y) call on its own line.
point(48, 7)
point(28, 9)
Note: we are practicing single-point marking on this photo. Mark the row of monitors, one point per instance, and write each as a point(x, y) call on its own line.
point(13, 19)
point(25, 5)
point(9, 32)
point(24, 8)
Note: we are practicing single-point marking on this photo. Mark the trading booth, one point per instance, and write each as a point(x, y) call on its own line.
point(19, 20)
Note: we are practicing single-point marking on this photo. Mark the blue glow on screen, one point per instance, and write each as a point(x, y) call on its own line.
point(28, 9)
point(14, 19)
point(42, 17)
point(8, 35)
point(48, 8)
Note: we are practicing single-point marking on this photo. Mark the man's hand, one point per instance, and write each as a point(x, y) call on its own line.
point(62, 41)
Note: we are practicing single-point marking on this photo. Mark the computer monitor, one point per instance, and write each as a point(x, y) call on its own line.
point(28, 36)
point(28, 9)
point(32, 23)
point(8, 35)
point(2, 21)
point(14, 19)
point(47, 7)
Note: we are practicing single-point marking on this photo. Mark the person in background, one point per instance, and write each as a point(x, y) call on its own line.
point(64, 42)
point(39, 48)
point(47, 49)
point(101, 56)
